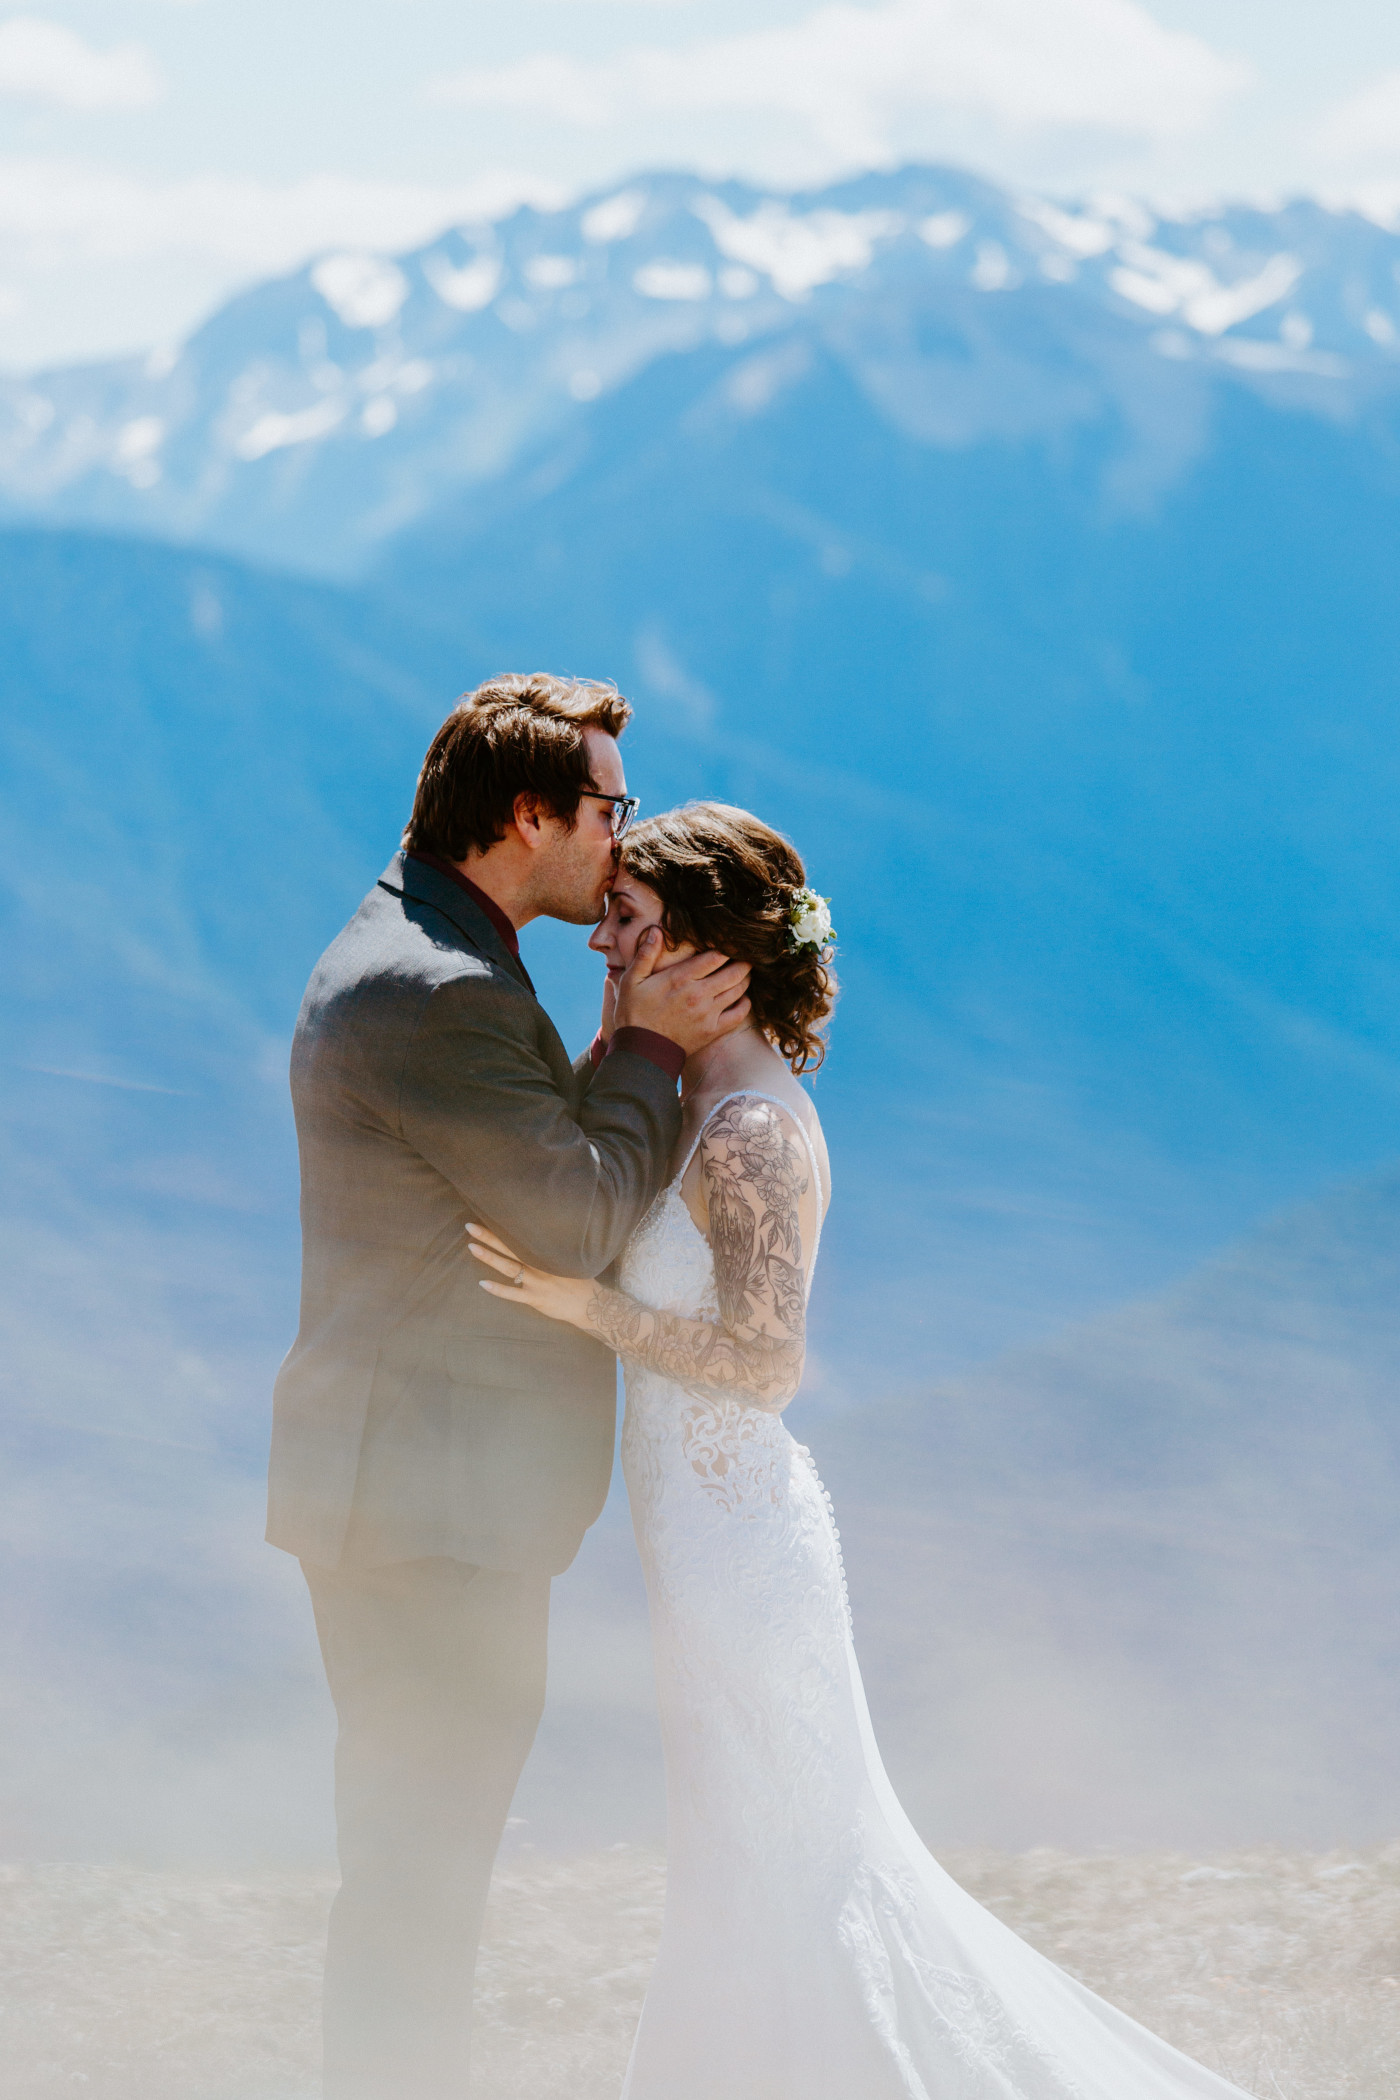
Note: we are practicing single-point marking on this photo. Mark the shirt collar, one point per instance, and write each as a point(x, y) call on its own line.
point(479, 897)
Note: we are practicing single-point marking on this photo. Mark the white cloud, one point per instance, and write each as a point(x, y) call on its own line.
point(1379, 201)
point(1364, 127)
point(1358, 140)
point(855, 76)
point(44, 62)
point(64, 211)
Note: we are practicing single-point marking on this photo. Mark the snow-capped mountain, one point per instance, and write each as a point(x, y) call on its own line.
point(312, 418)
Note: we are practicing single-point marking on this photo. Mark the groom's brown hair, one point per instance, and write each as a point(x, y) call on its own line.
point(521, 734)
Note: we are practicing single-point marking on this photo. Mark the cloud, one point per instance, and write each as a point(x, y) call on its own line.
point(1365, 127)
point(69, 211)
point(854, 77)
point(44, 62)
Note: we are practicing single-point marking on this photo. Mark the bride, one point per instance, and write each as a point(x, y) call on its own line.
point(812, 1948)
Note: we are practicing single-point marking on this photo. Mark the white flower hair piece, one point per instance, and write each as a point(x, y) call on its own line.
point(809, 920)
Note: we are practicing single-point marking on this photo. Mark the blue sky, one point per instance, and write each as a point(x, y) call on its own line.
point(156, 154)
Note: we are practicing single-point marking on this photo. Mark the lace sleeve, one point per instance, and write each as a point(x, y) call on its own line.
point(754, 1178)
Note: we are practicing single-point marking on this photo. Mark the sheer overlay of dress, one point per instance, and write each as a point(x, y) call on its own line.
point(812, 1947)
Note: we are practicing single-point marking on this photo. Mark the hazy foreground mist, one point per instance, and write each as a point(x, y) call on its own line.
point(1135, 1587)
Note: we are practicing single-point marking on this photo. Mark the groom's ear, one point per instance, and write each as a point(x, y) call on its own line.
point(530, 811)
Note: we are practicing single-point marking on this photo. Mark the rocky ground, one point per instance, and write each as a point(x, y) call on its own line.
point(1281, 1969)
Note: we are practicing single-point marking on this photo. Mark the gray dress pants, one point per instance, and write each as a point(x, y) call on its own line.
point(437, 1670)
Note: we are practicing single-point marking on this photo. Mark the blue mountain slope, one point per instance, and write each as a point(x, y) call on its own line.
point(199, 767)
point(204, 747)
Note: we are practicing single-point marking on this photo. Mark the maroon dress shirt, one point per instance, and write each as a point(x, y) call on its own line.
point(642, 1042)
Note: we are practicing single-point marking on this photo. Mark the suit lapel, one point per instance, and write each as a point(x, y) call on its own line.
point(414, 878)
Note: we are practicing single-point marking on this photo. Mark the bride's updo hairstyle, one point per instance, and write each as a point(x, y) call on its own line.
point(726, 881)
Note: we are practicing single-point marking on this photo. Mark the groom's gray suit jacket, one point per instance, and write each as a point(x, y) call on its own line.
point(415, 1414)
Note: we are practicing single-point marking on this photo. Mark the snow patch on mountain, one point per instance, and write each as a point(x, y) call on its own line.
point(465, 287)
point(1164, 283)
point(273, 432)
point(944, 229)
point(798, 251)
point(614, 218)
point(364, 291)
point(1080, 234)
point(673, 280)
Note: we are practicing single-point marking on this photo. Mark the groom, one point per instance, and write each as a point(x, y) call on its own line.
point(437, 1452)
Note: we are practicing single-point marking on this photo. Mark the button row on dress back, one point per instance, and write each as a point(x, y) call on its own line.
point(836, 1536)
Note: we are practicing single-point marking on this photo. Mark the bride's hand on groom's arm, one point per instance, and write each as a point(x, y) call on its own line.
point(557, 1297)
point(754, 1368)
point(754, 1179)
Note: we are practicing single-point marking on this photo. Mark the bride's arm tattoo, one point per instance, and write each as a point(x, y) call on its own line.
point(754, 1181)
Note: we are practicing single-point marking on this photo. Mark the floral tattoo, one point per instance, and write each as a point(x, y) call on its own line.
point(754, 1182)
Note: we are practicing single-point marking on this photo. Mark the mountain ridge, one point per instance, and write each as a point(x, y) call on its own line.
point(312, 417)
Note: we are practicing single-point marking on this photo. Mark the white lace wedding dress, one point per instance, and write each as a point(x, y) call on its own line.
point(812, 1947)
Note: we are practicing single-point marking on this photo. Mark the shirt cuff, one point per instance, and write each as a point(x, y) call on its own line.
point(645, 1042)
point(597, 1050)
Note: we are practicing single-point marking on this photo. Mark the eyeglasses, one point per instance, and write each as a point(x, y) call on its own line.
point(624, 808)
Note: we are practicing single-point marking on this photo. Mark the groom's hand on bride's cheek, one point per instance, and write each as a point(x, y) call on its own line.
point(692, 998)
